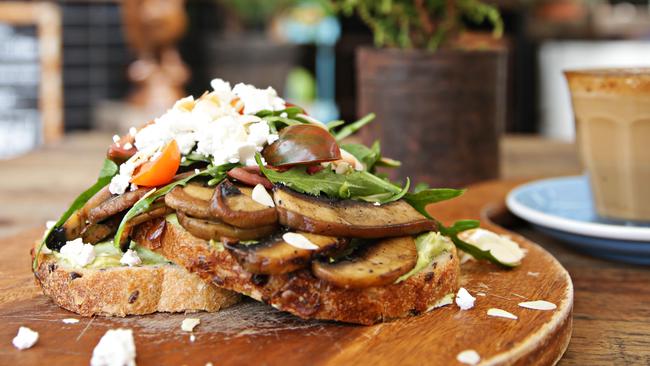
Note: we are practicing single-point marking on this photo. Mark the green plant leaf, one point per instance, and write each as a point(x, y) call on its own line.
point(473, 250)
point(143, 205)
point(353, 127)
point(423, 198)
point(108, 171)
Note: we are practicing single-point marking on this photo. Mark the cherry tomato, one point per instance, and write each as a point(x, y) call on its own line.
point(160, 171)
point(302, 144)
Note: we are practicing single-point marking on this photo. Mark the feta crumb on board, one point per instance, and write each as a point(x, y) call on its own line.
point(500, 313)
point(78, 253)
point(261, 196)
point(468, 357)
point(70, 321)
point(464, 299)
point(538, 305)
point(189, 324)
point(130, 258)
point(299, 241)
point(115, 348)
point(25, 338)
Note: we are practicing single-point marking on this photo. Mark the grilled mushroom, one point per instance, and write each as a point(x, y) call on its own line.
point(213, 229)
point(274, 255)
point(191, 200)
point(374, 265)
point(348, 218)
point(115, 205)
point(234, 205)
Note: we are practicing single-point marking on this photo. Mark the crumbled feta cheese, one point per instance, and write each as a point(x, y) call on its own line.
point(50, 224)
point(189, 324)
point(183, 159)
point(133, 131)
point(120, 182)
point(116, 348)
point(464, 300)
point(78, 253)
point(197, 171)
point(116, 138)
point(352, 160)
point(256, 100)
point(500, 313)
point(130, 258)
point(342, 167)
point(25, 338)
point(70, 321)
point(501, 247)
point(261, 196)
point(376, 203)
point(299, 241)
point(128, 146)
point(468, 357)
point(538, 305)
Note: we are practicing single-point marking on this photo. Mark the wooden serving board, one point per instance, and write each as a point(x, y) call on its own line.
point(252, 333)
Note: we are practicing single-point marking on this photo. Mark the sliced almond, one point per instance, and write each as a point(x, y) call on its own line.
point(500, 313)
point(189, 324)
point(261, 196)
point(501, 247)
point(538, 305)
point(299, 241)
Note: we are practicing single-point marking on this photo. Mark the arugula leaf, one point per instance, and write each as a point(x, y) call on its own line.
point(193, 158)
point(476, 252)
point(333, 124)
point(367, 155)
point(143, 205)
point(423, 198)
point(290, 111)
point(352, 185)
point(388, 162)
point(108, 171)
point(429, 246)
point(353, 127)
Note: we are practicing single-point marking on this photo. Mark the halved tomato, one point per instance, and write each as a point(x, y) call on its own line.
point(302, 144)
point(161, 170)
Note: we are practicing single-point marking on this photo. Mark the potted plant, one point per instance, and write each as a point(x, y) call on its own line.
point(438, 90)
point(246, 51)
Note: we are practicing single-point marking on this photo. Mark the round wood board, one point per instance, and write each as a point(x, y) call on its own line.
point(252, 333)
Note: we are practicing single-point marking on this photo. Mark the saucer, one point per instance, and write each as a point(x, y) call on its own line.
point(563, 208)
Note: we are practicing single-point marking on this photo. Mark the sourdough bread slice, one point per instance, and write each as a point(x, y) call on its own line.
point(301, 293)
point(122, 291)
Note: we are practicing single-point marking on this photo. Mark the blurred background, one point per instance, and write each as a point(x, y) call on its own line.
point(71, 66)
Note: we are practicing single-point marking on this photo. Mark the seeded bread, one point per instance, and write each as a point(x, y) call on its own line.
point(122, 291)
point(299, 292)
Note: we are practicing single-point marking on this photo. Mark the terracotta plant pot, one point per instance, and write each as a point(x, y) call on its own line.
point(440, 113)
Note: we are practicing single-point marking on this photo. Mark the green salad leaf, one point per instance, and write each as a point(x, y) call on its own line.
point(193, 158)
point(429, 246)
point(354, 185)
point(353, 127)
point(217, 173)
point(333, 124)
point(108, 171)
point(423, 198)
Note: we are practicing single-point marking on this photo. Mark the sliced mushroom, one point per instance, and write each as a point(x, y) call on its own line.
point(76, 223)
point(348, 218)
point(115, 205)
point(234, 205)
point(374, 265)
point(190, 200)
point(274, 255)
point(212, 229)
point(94, 233)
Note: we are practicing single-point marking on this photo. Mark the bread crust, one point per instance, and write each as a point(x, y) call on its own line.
point(302, 294)
point(122, 291)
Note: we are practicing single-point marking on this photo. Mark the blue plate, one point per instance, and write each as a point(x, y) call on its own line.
point(563, 208)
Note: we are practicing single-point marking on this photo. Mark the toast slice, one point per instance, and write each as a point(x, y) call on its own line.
point(121, 291)
point(301, 293)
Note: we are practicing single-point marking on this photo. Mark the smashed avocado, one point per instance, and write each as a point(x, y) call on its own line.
point(106, 256)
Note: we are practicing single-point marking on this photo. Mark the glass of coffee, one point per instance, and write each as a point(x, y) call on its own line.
point(612, 115)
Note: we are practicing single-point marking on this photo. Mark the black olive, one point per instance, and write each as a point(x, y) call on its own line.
point(259, 279)
point(56, 240)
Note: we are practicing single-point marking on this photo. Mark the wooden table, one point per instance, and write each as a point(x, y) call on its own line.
point(611, 312)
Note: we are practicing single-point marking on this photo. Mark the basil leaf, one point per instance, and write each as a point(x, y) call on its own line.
point(193, 158)
point(143, 205)
point(422, 199)
point(108, 171)
point(353, 127)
